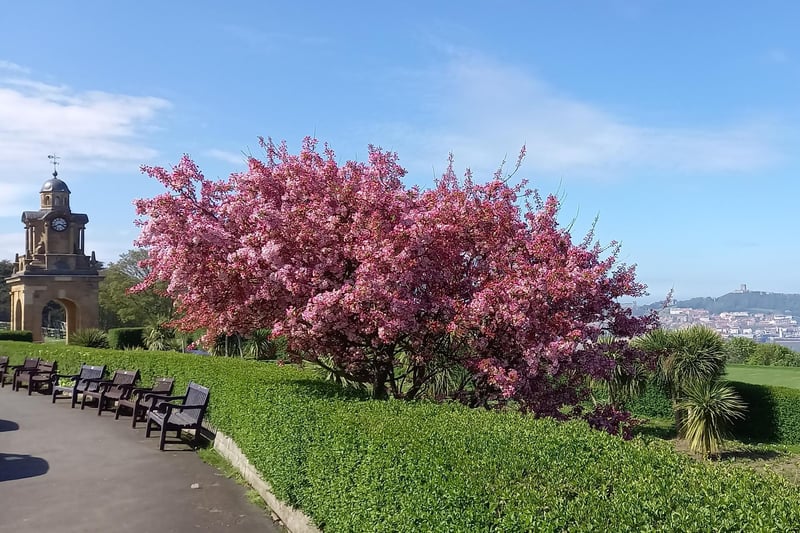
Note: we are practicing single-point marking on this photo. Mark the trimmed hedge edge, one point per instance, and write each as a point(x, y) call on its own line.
point(295, 520)
point(16, 335)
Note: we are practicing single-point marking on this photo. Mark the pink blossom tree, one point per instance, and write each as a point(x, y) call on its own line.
point(387, 285)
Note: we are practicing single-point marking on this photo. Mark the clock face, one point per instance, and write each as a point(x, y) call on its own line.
point(59, 224)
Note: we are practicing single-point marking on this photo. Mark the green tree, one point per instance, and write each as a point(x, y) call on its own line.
point(740, 349)
point(6, 268)
point(119, 308)
point(773, 354)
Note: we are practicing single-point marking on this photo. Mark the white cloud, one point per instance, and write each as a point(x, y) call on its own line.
point(91, 129)
point(13, 67)
point(234, 158)
point(483, 110)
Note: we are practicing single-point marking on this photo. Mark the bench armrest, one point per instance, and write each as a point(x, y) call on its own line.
point(163, 397)
point(167, 407)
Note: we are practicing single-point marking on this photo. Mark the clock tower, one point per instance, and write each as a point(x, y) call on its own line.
point(54, 265)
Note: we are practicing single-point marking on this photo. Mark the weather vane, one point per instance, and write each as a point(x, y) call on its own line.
point(54, 158)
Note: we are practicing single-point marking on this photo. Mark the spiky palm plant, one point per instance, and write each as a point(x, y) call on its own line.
point(90, 337)
point(259, 345)
point(324, 369)
point(625, 382)
point(710, 407)
point(686, 357)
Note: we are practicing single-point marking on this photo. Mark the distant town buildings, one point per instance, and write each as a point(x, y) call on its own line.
point(761, 327)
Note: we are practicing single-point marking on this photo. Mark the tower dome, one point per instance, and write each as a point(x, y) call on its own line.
point(54, 194)
point(54, 185)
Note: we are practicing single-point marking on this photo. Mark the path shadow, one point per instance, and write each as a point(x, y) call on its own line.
point(16, 466)
point(8, 425)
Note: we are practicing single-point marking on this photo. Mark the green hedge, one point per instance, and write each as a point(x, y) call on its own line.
point(122, 338)
point(773, 414)
point(653, 403)
point(18, 335)
point(355, 464)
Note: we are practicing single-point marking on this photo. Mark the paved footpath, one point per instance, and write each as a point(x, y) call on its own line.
point(68, 470)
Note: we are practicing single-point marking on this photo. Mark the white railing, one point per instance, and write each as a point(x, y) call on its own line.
point(53, 333)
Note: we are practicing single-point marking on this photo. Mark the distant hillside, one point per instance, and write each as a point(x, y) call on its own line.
point(751, 301)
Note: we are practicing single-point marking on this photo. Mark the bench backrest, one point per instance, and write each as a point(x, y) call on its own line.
point(163, 385)
point(30, 363)
point(196, 395)
point(124, 377)
point(47, 367)
point(90, 372)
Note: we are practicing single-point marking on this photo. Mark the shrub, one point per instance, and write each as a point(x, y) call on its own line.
point(355, 464)
point(773, 414)
point(775, 355)
point(159, 338)
point(121, 338)
point(654, 402)
point(91, 337)
point(711, 407)
point(739, 349)
point(18, 335)
point(260, 345)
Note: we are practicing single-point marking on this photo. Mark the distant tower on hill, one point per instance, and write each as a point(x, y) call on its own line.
point(742, 289)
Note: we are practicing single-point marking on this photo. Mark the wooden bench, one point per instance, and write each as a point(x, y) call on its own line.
point(30, 364)
point(136, 400)
point(41, 377)
point(86, 380)
point(3, 367)
point(112, 390)
point(188, 414)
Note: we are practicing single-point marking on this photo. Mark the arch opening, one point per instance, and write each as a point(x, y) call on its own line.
point(54, 320)
point(17, 314)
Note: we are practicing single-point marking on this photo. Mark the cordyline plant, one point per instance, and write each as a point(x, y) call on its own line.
point(391, 286)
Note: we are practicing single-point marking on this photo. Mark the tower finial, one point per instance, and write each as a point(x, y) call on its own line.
point(54, 158)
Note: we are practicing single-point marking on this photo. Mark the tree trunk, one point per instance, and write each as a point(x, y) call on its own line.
point(418, 381)
point(379, 390)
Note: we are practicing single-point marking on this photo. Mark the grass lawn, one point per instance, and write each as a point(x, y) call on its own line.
point(778, 376)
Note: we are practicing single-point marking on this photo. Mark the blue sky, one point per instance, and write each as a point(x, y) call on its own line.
point(676, 123)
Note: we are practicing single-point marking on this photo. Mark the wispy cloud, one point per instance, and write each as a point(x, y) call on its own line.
point(12, 243)
point(776, 56)
point(91, 129)
point(13, 67)
point(234, 158)
point(269, 40)
point(480, 109)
